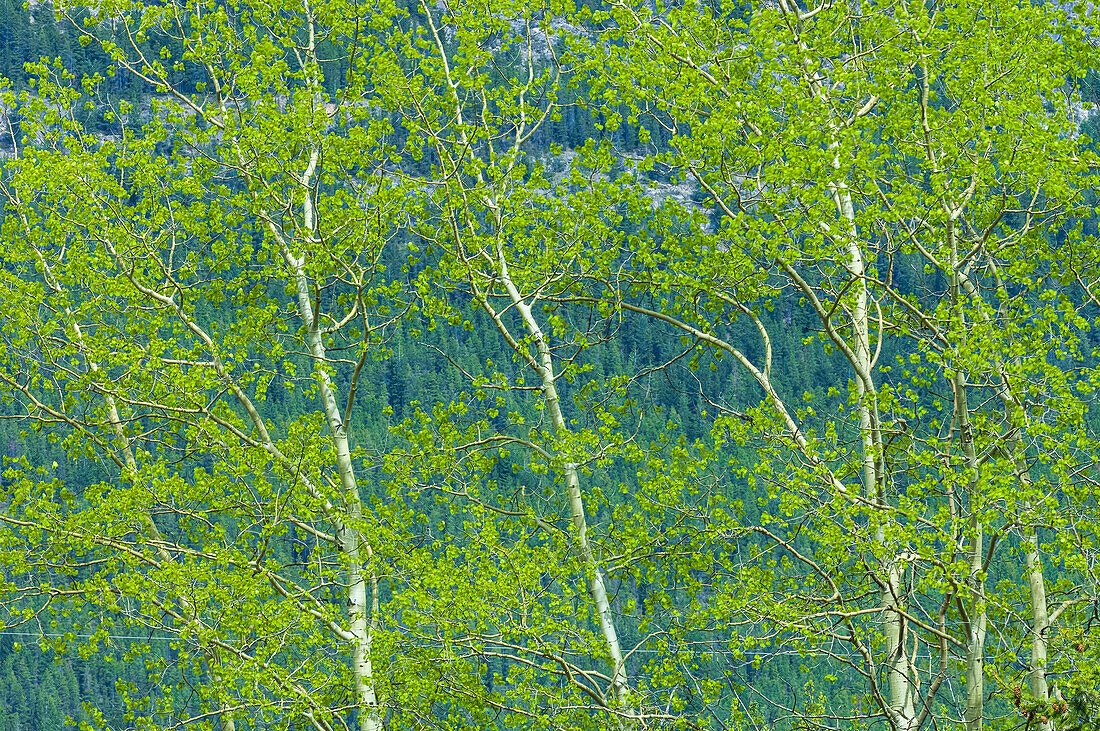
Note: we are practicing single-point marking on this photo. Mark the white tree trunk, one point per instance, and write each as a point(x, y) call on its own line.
point(596, 588)
point(1040, 620)
point(975, 642)
point(975, 624)
point(900, 670)
point(352, 542)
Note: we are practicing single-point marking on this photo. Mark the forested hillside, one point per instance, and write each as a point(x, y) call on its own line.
point(413, 365)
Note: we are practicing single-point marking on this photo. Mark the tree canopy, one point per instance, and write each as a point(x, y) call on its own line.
point(615, 365)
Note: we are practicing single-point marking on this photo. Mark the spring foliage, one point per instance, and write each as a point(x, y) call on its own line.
point(601, 366)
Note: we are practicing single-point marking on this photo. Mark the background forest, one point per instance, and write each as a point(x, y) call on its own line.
point(485, 364)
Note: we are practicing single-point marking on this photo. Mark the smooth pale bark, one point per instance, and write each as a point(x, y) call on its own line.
point(901, 674)
point(370, 718)
point(352, 543)
point(975, 623)
point(975, 647)
point(225, 717)
point(597, 589)
point(1040, 620)
point(354, 546)
point(542, 364)
point(900, 670)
